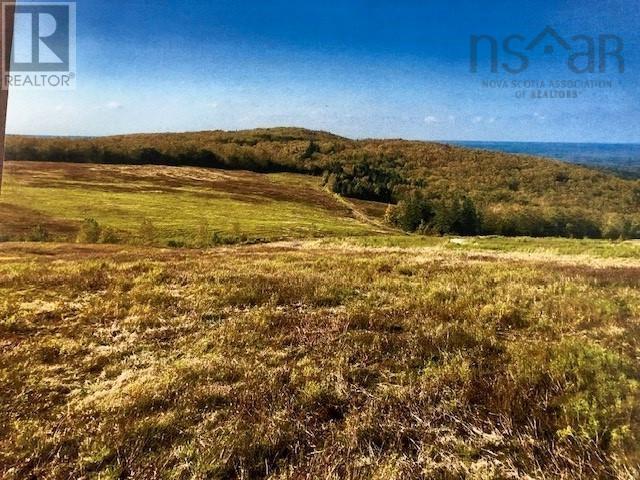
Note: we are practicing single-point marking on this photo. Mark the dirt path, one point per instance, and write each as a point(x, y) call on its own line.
point(363, 217)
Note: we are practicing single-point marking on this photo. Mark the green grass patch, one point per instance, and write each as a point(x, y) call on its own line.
point(183, 215)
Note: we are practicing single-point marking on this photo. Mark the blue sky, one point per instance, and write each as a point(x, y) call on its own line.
point(360, 68)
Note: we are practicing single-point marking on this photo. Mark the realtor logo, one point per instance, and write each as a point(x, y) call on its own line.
point(43, 54)
point(580, 53)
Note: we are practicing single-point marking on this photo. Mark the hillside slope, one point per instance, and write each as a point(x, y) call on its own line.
point(186, 206)
point(504, 185)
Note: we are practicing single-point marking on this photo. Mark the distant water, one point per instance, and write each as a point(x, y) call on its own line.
point(624, 157)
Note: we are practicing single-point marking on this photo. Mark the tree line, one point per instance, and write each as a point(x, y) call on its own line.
point(460, 215)
point(192, 157)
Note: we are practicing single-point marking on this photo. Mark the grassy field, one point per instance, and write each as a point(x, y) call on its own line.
point(552, 246)
point(179, 204)
point(317, 360)
point(186, 206)
point(342, 349)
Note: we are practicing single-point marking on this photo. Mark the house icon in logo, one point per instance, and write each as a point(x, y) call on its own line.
point(550, 34)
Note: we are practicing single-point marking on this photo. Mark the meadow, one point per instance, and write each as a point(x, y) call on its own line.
point(191, 323)
point(184, 206)
point(199, 207)
point(312, 359)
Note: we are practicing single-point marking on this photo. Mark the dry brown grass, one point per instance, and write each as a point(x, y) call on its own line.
point(19, 222)
point(316, 361)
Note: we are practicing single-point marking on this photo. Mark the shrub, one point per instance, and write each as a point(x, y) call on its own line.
point(598, 391)
point(310, 150)
point(89, 231)
point(513, 184)
point(38, 234)
point(109, 235)
point(219, 238)
point(175, 243)
point(147, 231)
point(203, 235)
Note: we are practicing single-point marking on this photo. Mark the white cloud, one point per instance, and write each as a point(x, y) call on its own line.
point(113, 105)
point(430, 119)
point(477, 119)
point(212, 104)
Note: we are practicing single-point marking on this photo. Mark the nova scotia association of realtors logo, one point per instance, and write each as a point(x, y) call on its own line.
point(43, 54)
point(579, 53)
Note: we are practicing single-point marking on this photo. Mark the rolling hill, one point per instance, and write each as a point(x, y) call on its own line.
point(516, 193)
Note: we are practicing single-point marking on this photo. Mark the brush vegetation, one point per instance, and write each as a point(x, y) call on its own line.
point(317, 360)
point(510, 194)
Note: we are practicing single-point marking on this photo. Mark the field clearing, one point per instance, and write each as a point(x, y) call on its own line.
point(317, 359)
point(629, 249)
point(184, 206)
point(179, 204)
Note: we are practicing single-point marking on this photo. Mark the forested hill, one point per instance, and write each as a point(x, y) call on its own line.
point(506, 193)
